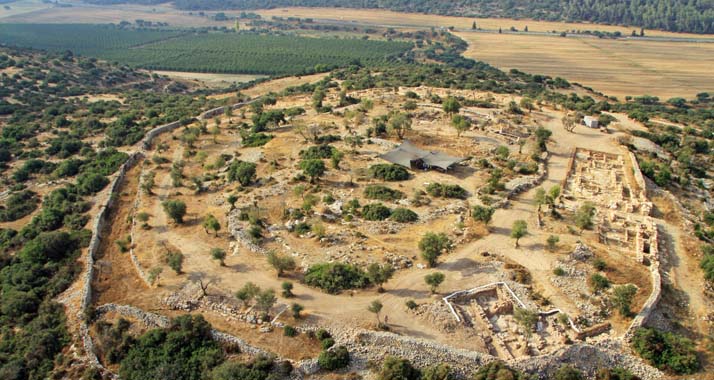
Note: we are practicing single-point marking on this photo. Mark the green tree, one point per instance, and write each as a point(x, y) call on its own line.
point(313, 168)
point(281, 263)
point(451, 106)
point(482, 214)
point(211, 223)
point(439, 371)
point(399, 124)
point(526, 318)
point(219, 255)
point(527, 103)
point(154, 275)
point(247, 293)
point(460, 124)
point(232, 199)
point(566, 372)
point(265, 300)
point(296, 308)
point(622, 297)
point(519, 230)
point(584, 216)
point(552, 242)
point(175, 261)
point(434, 280)
point(394, 368)
point(243, 172)
point(287, 289)
point(375, 307)
point(379, 274)
point(175, 210)
point(432, 245)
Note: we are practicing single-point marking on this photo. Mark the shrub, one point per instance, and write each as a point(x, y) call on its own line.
point(707, 265)
point(559, 271)
point(431, 246)
point(241, 171)
point(599, 264)
point(175, 210)
point(404, 215)
point(434, 280)
point(302, 228)
point(318, 152)
point(438, 372)
point(566, 372)
point(622, 297)
point(446, 191)
point(617, 373)
point(598, 282)
point(281, 263)
point(665, 350)
point(395, 368)
point(175, 261)
point(322, 334)
point(382, 193)
point(19, 205)
point(411, 305)
point(91, 183)
point(290, 331)
point(375, 211)
point(335, 277)
point(334, 359)
point(498, 371)
point(256, 139)
point(482, 214)
point(389, 172)
point(327, 343)
point(313, 168)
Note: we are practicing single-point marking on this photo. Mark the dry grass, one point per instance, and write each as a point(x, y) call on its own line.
point(618, 68)
point(424, 20)
point(209, 79)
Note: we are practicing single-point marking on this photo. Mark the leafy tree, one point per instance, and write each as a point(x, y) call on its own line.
point(460, 124)
point(175, 261)
point(154, 275)
point(248, 292)
point(313, 168)
point(334, 359)
point(552, 242)
point(219, 255)
point(389, 172)
point(497, 370)
point(335, 277)
point(566, 372)
point(175, 210)
point(434, 280)
point(379, 274)
point(287, 289)
point(375, 212)
point(666, 350)
point(296, 308)
point(265, 300)
point(584, 216)
point(375, 307)
point(243, 172)
point(482, 214)
point(281, 263)
point(519, 230)
point(232, 199)
point(394, 368)
point(399, 124)
point(527, 103)
point(617, 373)
point(439, 371)
point(432, 245)
point(598, 282)
point(622, 297)
point(451, 106)
point(526, 318)
point(184, 350)
point(403, 215)
point(211, 223)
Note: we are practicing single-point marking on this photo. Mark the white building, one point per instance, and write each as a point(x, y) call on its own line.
point(591, 122)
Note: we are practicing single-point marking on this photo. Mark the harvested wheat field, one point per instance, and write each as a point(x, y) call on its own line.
point(614, 67)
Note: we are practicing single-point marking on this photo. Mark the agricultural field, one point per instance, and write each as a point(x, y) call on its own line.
point(617, 68)
point(224, 52)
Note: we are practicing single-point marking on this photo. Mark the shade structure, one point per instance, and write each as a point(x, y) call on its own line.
point(409, 155)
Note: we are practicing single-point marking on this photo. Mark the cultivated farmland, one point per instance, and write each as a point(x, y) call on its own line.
point(222, 52)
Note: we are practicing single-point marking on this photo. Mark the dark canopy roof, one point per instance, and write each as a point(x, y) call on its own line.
point(406, 153)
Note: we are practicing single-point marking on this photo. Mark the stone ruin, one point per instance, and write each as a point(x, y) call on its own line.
point(490, 309)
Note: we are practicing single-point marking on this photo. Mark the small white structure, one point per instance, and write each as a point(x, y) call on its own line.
point(591, 122)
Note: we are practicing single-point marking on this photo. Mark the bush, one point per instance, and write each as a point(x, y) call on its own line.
point(622, 298)
point(566, 372)
point(446, 191)
point(666, 351)
point(498, 371)
point(559, 271)
point(617, 373)
point(411, 305)
point(707, 265)
point(431, 246)
point(322, 334)
point(395, 368)
point(19, 205)
point(256, 139)
point(375, 211)
point(382, 193)
point(404, 215)
point(336, 277)
point(389, 172)
point(334, 359)
point(175, 210)
point(241, 171)
point(327, 343)
point(318, 152)
point(91, 183)
point(438, 372)
point(599, 264)
point(482, 214)
point(598, 282)
point(290, 331)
